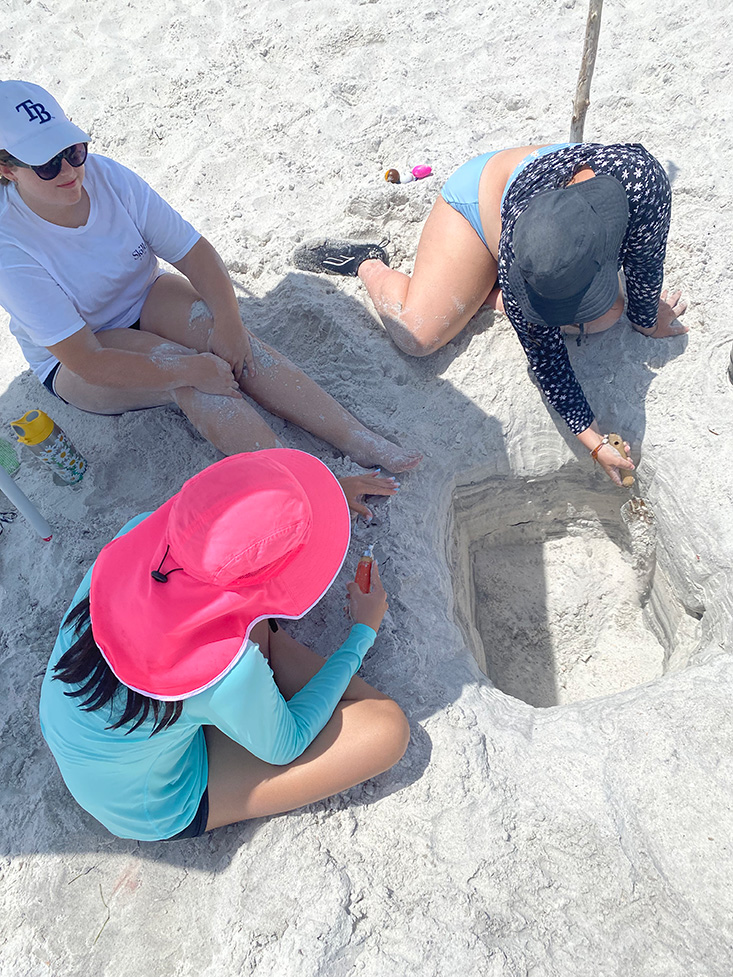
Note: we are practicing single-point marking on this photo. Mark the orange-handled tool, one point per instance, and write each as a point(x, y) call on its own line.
point(364, 571)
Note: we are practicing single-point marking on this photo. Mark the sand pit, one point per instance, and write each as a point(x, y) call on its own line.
point(559, 595)
point(542, 823)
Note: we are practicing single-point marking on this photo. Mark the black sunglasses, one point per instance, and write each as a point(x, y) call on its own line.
point(76, 155)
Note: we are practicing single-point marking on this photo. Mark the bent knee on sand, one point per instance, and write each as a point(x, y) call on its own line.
point(389, 731)
point(412, 338)
point(420, 348)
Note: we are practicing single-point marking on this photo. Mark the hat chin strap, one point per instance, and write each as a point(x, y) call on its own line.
point(158, 574)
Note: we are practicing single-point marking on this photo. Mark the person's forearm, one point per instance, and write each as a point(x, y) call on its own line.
point(548, 357)
point(590, 438)
point(123, 369)
point(312, 707)
point(203, 267)
point(610, 457)
point(646, 244)
point(643, 294)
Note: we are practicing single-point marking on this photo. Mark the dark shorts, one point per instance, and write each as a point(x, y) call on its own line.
point(198, 825)
point(48, 383)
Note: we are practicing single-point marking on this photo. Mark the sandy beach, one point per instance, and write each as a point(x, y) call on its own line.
point(564, 806)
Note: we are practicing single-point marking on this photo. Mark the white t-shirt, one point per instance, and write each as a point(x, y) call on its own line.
point(55, 279)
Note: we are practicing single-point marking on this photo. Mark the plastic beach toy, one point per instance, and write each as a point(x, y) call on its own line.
point(421, 171)
point(416, 173)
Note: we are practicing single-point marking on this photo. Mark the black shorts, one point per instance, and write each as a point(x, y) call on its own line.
point(48, 383)
point(198, 825)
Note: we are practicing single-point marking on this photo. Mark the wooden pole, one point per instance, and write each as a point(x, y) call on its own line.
point(588, 63)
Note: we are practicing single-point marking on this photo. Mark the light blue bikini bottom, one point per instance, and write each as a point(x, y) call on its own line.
point(461, 189)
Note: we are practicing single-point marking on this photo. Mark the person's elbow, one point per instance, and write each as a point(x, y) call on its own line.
point(80, 353)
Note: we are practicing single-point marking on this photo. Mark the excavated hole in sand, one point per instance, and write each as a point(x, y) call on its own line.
point(557, 590)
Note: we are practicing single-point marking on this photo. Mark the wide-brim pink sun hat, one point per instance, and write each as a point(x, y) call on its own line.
point(253, 536)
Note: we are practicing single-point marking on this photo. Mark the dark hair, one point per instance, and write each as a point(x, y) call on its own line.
point(84, 665)
point(8, 160)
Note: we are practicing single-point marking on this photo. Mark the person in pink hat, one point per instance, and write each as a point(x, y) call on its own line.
point(105, 329)
point(173, 702)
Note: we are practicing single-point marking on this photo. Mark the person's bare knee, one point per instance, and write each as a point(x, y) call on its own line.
point(174, 310)
point(407, 333)
point(200, 325)
point(390, 730)
point(390, 292)
point(422, 347)
point(416, 345)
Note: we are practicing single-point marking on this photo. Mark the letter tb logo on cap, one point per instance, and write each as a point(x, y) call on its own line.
point(35, 110)
point(33, 126)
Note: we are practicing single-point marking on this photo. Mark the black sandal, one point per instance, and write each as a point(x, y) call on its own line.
point(337, 257)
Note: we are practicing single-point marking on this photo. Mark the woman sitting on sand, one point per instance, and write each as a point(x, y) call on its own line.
point(105, 330)
point(171, 705)
point(539, 232)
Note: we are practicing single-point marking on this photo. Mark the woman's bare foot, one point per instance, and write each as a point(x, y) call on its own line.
point(372, 450)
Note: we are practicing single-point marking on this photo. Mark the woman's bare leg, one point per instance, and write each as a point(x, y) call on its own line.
point(229, 423)
point(174, 310)
point(366, 735)
point(494, 300)
point(453, 274)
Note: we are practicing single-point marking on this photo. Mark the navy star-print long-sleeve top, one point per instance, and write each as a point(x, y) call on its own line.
point(641, 256)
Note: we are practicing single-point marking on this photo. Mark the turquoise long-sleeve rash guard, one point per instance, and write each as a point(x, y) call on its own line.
point(149, 787)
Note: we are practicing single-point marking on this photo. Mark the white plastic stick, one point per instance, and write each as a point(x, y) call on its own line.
point(23, 504)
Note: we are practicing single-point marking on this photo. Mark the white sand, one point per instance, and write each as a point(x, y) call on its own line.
point(590, 838)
